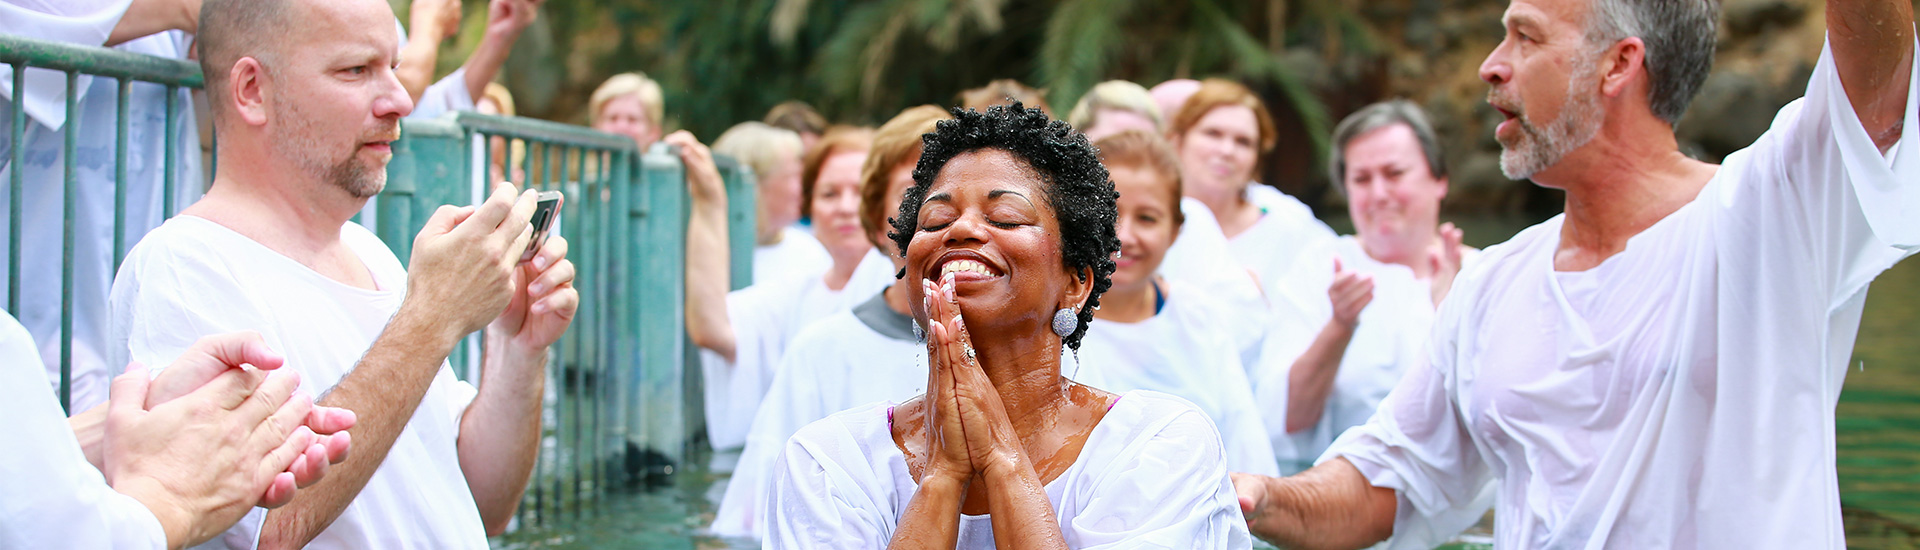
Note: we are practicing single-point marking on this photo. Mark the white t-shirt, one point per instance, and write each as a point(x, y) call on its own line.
point(1185, 351)
point(192, 277)
point(797, 253)
point(1151, 475)
point(851, 358)
point(1679, 395)
point(1390, 339)
point(765, 317)
point(50, 497)
point(87, 23)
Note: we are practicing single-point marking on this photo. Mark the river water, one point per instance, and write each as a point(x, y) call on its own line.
point(1878, 444)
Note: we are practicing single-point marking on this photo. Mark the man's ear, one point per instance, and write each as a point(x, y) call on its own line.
point(1621, 65)
point(247, 90)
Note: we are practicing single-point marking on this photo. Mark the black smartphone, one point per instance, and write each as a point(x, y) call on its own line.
point(545, 214)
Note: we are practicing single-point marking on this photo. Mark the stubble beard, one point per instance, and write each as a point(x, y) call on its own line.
point(299, 140)
point(1539, 147)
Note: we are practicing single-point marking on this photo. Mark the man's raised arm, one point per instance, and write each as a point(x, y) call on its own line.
point(1873, 51)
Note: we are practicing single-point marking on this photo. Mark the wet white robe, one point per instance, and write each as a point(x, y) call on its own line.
point(765, 318)
point(1185, 350)
point(1390, 339)
point(1152, 475)
point(50, 496)
point(1272, 246)
point(1682, 393)
point(1202, 262)
point(797, 252)
point(846, 360)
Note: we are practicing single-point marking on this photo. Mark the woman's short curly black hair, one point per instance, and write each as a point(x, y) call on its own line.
point(1069, 168)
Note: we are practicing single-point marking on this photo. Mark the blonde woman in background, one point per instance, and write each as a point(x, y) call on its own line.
point(744, 333)
point(775, 155)
point(629, 104)
point(1116, 106)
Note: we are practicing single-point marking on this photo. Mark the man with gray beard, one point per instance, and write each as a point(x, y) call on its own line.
point(306, 105)
point(1657, 367)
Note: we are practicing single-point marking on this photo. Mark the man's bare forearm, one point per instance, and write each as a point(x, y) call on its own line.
point(1873, 51)
point(383, 390)
point(1328, 507)
point(500, 433)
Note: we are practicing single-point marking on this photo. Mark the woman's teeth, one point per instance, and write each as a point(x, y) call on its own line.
point(955, 266)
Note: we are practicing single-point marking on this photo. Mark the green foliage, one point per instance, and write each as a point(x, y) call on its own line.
point(861, 61)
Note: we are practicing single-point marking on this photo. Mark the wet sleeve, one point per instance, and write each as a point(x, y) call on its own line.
point(1816, 192)
point(821, 496)
point(1418, 445)
point(50, 496)
point(1167, 490)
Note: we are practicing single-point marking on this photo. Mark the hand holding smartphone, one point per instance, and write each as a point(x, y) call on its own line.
point(545, 214)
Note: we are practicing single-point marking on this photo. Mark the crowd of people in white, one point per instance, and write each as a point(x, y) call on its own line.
point(976, 326)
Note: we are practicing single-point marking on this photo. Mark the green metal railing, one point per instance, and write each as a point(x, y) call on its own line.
point(125, 69)
point(619, 381)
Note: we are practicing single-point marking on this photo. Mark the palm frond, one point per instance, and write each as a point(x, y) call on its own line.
point(1082, 39)
point(1251, 60)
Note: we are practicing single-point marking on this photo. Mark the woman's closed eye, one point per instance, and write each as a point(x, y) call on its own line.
point(936, 217)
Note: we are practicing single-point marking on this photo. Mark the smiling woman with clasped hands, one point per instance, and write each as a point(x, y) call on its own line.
point(1008, 233)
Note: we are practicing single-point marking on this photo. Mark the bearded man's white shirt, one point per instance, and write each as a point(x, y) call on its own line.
point(1682, 393)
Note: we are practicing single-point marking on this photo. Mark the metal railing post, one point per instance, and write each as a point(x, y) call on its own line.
point(70, 208)
point(15, 187)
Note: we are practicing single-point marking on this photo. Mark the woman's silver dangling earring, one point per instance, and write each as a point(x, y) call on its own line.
point(919, 333)
point(1065, 321)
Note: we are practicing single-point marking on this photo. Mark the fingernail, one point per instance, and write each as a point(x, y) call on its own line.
point(536, 289)
point(539, 262)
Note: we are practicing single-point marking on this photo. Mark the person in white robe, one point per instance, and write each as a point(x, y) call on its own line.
point(744, 333)
point(1012, 214)
point(444, 462)
point(1658, 367)
point(1331, 358)
point(1219, 133)
point(172, 485)
point(159, 28)
point(775, 155)
point(1155, 334)
point(867, 354)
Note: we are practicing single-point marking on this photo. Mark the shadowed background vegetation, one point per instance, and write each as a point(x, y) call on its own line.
point(727, 61)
